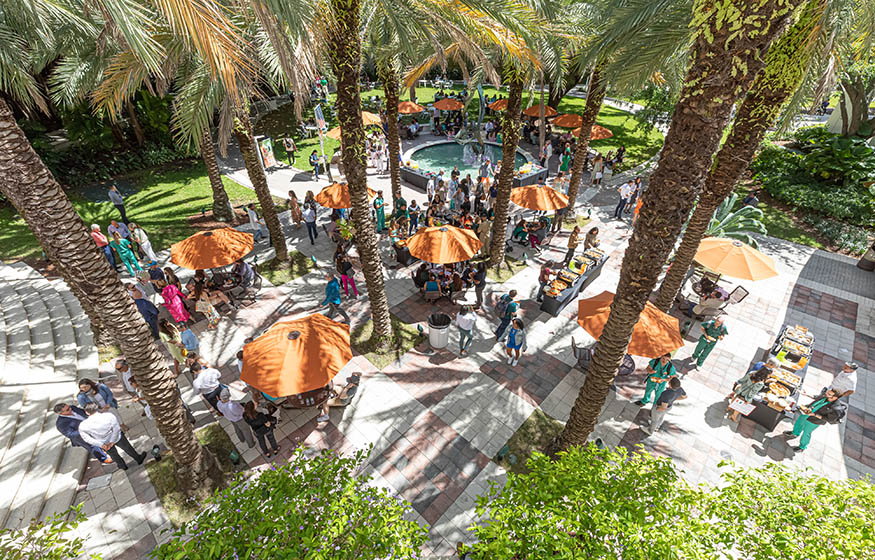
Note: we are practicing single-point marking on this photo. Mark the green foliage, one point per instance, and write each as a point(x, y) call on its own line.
point(47, 540)
point(309, 509)
point(736, 224)
point(658, 102)
point(90, 133)
point(154, 113)
point(603, 504)
point(854, 240)
point(839, 160)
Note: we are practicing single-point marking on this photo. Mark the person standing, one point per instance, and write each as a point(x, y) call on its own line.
point(207, 382)
point(138, 235)
point(414, 217)
point(291, 149)
point(659, 371)
point(506, 308)
point(544, 279)
point(664, 403)
point(148, 310)
point(295, 209)
point(314, 163)
point(516, 342)
point(347, 275)
point(169, 335)
point(712, 331)
point(844, 384)
point(826, 408)
point(121, 229)
point(309, 216)
point(465, 320)
point(263, 426)
point(102, 430)
point(103, 244)
point(478, 278)
point(380, 209)
point(116, 198)
point(625, 191)
point(233, 412)
point(573, 241)
point(95, 393)
point(748, 387)
point(173, 301)
point(332, 297)
point(125, 252)
point(255, 222)
point(484, 233)
point(636, 192)
point(598, 167)
point(69, 418)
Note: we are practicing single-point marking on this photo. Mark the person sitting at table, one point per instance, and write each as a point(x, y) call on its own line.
point(537, 233)
point(420, 277)
point(709, 305)
point(242, 274)
point(433, 286)
point(519, 232)
point(210, 290)
point(456, 285)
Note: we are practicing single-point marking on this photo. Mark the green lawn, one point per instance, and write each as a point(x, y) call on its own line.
point(164, 201)
point(640, 145)
point(363, 341)
point(779, 223)
point(279, 272)
point(535, 434)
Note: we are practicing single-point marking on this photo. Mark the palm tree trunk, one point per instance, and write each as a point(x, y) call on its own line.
point(344, 52)
point(390, 88)
point(243, 133)
point(542, 125)
point(135, 124)
point(785, 67)
point(48, 212)
point(725, 58)
point(570, 79)
point(510, 138)
point(222, 209)
point(595, 95)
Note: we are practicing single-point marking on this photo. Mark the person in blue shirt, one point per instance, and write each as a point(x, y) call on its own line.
point(190, 341)
point(69, 418)
point(147, 309)
point(332, 297)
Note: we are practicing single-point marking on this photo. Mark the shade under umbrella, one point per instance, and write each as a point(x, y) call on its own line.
point(656, 333)
point(734, 258)
point(538, 197)
point(535, 111)
point(498, 105)
point(211, 249)
point(444, 244)
point(410, 108)
point(447, 104)
point(597, 133)
point(568, 120)
point(336, 195)
point(296, 356)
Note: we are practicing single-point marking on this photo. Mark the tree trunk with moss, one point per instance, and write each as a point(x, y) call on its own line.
point(243, 133)
point(785, 67)
point(510, 138)
point(222, 209)
point(389, 77)
point(727, 51)
point(344, 53)
point(595, 95)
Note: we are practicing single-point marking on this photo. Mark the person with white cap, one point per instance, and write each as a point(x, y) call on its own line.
point(233, 412)
point(845, 382)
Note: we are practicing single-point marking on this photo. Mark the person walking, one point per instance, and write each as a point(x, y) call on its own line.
point(636, 192)
point(173, 301)
point(103, 244)
point(233, 412)
point(118, 201)
point(573, 242)
point(380, 209)
point(347, 275)
point(712, 331)
point(207, 382)
point(69, 418)
point(544, 279)
point(138, 235)
point(465, 320)
point(263, 426)
point(291, 149)
point(625, 191)
point(103, 430)
point(125, 252)
point(295, 209)
point(332, 297)
point(95, 393)
point(506, 308)
point(516, 342)
point(169, 335)
point(478, 278)
point(309, 216)
point(148, 310)
point(598, 167)
point(664, 402)
point(826, 408)
point(659, 371)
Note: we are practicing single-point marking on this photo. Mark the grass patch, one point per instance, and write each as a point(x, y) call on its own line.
point(163, 477)
point(578, 221)
point(106, 352)
point(510, 267)
point(362, 339)
point(779, 223)
point(535, 434)
point(164, 200)
point(280, 272)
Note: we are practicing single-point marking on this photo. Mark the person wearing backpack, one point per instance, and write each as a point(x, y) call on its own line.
point(506, 308)
point(826, 408)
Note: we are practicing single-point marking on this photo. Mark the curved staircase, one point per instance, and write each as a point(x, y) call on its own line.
point(45, 346)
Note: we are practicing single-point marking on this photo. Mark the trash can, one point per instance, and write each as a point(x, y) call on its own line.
point(867, 261)
point(438, 330)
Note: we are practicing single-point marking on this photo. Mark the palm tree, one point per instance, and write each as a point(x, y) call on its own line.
point(595, 95)
point(389, 77)
point(724, 59)
point(222, 209)
point(786, 64)
point(735, 224)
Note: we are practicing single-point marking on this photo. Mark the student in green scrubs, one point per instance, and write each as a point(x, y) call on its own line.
point(659, 370)
point(827, 408)
point(380, 207)
point(712, 331)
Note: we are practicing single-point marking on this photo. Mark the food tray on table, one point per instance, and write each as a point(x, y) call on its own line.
point(567, 276)
point(798, 334)
point(786, 377)
point(795, 347)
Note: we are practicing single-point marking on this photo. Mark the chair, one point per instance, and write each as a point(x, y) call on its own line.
point(250, 293)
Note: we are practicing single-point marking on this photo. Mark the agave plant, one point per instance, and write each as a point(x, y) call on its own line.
point(738, 224)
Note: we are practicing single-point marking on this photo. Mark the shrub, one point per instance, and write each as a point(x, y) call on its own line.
point(45, 540)
point(852, 239)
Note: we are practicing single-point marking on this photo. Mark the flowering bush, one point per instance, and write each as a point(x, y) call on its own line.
point(308, 509)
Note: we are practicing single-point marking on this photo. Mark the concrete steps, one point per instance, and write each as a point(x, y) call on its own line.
point(45, 347)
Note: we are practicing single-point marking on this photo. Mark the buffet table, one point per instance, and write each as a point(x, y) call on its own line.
point(769, 415)
point(415, 177)
point(530, 178)
point(555, 304)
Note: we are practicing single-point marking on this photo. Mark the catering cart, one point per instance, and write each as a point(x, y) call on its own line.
point(591, 263)
point(792, 349)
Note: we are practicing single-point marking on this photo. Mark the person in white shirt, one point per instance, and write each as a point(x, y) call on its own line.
point(625, 194)
point(309, 215)
point(845, 382)
point(255, 222)
point(207, 383)
point(465, 321)
point(102, 429)
point(233, 412)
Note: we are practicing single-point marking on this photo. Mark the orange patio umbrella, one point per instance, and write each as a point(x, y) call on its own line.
point(370, 119)
point(535, 111)
point(734, 258)
point(296, 356)
point(444, 244)
point(410, 108)
point(568, 120)
point(538, 197)
point(498, 105)
point(211, 249)
point(336, 195)
point(656, 333)
point(334, 133)
point(598, 132)
point(447, 104)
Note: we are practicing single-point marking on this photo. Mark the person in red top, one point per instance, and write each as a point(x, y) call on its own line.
point(102, 244)
point(544, 279)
